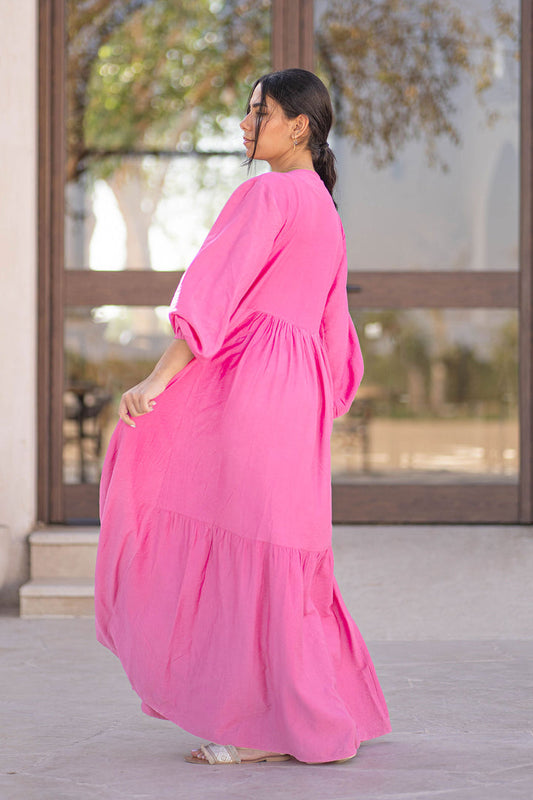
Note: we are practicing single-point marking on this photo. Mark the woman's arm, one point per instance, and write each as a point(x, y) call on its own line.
point(338, 333)
point(234, 257)
point(140, 398)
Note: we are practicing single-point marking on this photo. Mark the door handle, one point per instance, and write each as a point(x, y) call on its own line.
point(354, 287)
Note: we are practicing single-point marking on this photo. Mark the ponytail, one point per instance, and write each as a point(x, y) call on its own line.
point(324, 163)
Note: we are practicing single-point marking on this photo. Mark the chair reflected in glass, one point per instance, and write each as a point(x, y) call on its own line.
point(85, 405)
point(350, 442)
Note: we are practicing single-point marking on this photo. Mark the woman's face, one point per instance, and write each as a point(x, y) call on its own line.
point(277, 131)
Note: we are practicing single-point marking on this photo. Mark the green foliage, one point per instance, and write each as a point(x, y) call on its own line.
point(474, 385)
point(504, 358)
point(159, 74)
point(469, 379)
point(156, 74)
point(392, 66)
point(401, 345)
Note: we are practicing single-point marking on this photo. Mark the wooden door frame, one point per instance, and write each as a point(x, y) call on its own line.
point(51, 181)
point(292, 45)
point(293, 34)
point(483, 502)
point(526, 265)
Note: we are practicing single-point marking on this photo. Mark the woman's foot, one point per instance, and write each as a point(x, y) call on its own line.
point(246, 754)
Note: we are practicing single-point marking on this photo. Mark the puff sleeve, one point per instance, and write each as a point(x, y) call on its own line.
point(234, 256)
point(340, 340)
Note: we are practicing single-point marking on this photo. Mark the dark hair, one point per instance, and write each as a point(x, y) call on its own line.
point(299, 91)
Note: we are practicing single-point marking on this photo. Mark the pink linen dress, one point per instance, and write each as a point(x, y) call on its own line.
point(214, 577)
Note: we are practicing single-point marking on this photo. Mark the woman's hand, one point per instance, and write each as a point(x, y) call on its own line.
point(140, 398)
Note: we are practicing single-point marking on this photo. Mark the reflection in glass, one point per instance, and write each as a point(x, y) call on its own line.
point(438, 402)
point(107, 350)
point(427, 133)
point(155, 93)
point(157, 218)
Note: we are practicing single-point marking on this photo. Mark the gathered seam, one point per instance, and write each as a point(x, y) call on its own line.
point(260, 311)
point(212, 525)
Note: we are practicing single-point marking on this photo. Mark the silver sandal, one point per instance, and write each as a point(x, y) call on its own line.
point(228, 754)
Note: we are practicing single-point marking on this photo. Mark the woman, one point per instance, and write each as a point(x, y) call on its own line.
point(214, 578)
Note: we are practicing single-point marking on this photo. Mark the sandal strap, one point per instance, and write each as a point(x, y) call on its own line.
point(221, 753)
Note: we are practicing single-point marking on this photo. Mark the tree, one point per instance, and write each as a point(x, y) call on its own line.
point(142, 73)
point(392, 66)
point(146, 76)
point(151, 75)
point(397, 361)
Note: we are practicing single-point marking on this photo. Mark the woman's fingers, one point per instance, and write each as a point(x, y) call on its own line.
point(139, 403)
point(124, 412)
point(144, 403)
point(134, 403)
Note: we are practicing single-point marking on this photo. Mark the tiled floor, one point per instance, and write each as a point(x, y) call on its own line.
point(461, 706)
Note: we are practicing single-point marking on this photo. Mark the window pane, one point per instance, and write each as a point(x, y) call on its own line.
point(137, 226)
point(107, 350)
point(438, 402)
point(439, 399)
point(154, 100)
point(427, 136)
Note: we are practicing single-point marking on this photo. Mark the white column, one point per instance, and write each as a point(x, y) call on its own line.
point(18, 270)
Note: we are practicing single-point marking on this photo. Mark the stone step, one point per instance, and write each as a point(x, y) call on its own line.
point(57, 597)
point(56, 553)
point(62, 564)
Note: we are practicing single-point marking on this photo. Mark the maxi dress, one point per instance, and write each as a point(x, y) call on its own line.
point(214, 577)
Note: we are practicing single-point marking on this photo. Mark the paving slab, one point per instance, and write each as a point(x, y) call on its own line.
point(447, 617)
point(437, 581)
point(72, 728)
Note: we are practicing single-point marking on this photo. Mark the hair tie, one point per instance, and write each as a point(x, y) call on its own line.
point(323, 146)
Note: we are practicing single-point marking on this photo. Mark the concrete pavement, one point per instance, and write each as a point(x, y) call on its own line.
point(446, 613)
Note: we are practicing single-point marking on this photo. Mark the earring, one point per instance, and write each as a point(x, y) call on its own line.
point(294, 143)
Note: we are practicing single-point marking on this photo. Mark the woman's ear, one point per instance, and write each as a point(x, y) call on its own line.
point(300, 125)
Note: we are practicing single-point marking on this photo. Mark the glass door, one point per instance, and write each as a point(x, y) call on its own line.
point(139, 148)
point(152, 96)
point(427, 137)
